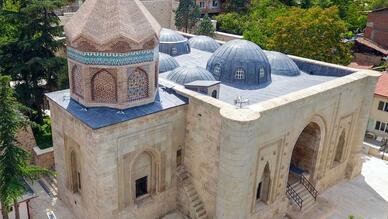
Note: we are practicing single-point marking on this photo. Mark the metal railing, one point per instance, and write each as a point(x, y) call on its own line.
point(292, 194)
point(304, 181)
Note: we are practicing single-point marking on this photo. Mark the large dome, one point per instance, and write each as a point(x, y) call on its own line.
point(204, 43)
point(167, 63)
point(186, 74)
point(240, 61)
point(281, 64)
point(172, 43)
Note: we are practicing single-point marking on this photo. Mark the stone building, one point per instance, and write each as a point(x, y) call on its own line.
point(130, 143)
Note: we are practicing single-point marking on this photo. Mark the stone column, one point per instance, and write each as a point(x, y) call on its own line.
point(354, 165)
point(237, 156)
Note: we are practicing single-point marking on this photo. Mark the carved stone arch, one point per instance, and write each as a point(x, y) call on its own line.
point(104, 88)
point(145, 166)
point(84, 44)
point(340, 148)
point(265, 188)
point(77, 81)
point(138, 85)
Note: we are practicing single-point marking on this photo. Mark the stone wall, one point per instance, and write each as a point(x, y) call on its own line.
point(44, 158)
point(25, 139)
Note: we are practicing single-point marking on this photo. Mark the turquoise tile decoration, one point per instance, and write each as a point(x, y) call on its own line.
point(111, 59)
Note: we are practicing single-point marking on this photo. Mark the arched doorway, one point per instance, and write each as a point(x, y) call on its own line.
point(304, 154)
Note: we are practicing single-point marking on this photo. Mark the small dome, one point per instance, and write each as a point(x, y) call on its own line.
point(167, 63)
point(186, 74)
point(281, 64)
point(204, 43)
point(240, 61)
point(172, 43)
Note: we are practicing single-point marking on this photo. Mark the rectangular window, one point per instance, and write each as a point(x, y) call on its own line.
point(141, 187)
point(386, 107)
point(79, 180)
point(382, 127)
point(179, 157)
point(381, 105)
point(215, 3)
point(201, 4)
point(377, 126)
point(386, 128)
point(258, 193)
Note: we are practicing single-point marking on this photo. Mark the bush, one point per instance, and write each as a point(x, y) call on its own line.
point(42, 133)
point(231, 23)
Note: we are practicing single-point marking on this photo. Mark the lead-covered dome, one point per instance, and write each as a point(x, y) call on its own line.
point(172, 43)
point(240, 61)
point(186, 74)
point(281, 64)
point(167, 63)
point(204, 43)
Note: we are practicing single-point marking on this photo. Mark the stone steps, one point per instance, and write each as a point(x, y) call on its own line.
point(308, 199)
point(49, 184)
point(196, 205)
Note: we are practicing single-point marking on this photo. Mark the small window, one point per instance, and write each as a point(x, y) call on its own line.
point(201, 4)
point(258, 192)
point(381, 105)
point(382, 127)
point(214, 94)
point(239, 74)
point(179, 157)
point(79, 180)
point(386, 128)
point(377, 126)
point(262, 73)
point(174, 51)
point(217, 71)
point(386, 107)
point(215, 3)
point(141, 187)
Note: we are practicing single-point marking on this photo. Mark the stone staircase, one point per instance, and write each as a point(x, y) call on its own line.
point(308, 199)
point(196, 208)
point(49, 184)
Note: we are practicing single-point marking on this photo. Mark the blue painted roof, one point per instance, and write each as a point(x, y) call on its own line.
point(204, 43)
point(167, 63)
point(281, 64)
point(99, 117)
point(243, 56)
point(202, 83)
point(187, 74)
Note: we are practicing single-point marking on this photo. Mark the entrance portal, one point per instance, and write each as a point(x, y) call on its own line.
point(305, 152)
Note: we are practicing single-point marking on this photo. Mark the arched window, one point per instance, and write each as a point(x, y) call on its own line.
point(340, 147)
point(263, 187)
point(137, 85)
point(104, 87)
point(214, 93)
point(75, 177)
point(217, 71)
point(239, 74)
point(142, 175)
point(77, 81)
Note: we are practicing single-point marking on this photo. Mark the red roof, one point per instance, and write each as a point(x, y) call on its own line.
point(382, 85)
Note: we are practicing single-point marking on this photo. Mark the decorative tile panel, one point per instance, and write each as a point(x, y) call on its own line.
point(77, 81)
point(137, 85)
point(111, 59)
point(104, 87)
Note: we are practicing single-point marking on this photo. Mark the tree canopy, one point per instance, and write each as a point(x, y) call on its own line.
point(187, 15)
point(205, 27)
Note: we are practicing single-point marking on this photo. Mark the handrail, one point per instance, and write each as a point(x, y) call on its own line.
point(304, 181)
point(292, 194)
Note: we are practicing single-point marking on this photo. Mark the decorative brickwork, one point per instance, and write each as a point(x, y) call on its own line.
point(104, 87)
point(77, 81)
point(137, 85)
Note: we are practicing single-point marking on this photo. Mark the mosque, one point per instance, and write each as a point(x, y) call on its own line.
point(156, 122)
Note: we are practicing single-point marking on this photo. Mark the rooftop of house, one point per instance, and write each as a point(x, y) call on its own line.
point(382, 85)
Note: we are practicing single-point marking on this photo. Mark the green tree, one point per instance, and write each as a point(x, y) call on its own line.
point(231, 22)
point(377, 4)
point(314, 33)
point(187, 15)
point(14, 161)
point(28, 55)
point(205, 27)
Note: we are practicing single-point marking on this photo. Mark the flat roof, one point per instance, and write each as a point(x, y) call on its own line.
point(99, 117)
point(280, 85)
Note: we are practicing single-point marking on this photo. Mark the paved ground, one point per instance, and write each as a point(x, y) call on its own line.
point(366, 196)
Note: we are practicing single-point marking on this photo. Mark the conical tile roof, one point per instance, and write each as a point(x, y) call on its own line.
point(103, 22)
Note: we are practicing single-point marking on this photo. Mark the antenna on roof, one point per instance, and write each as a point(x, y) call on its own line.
point(239, 101)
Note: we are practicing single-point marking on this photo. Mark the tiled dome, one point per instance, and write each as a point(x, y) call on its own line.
point(281, 64)
point(240, 61)
point(167, 63)
point(172, 43)
point(204, 43)
point(186, 74)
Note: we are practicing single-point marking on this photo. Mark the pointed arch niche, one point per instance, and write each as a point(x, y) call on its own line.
point(104, 87)
point(77, 81)
point(138, 85)
point(340, 149)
